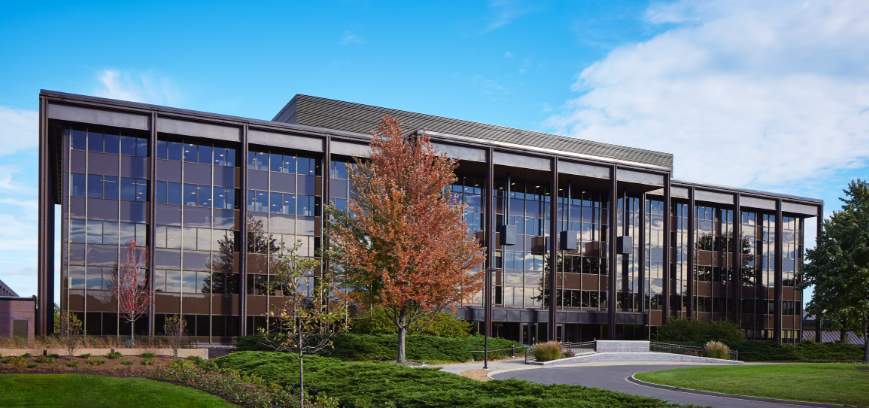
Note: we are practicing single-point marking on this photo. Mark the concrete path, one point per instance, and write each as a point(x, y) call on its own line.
point(615, 378)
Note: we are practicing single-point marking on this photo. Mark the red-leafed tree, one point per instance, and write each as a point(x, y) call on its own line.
point(130, 288)
point(404, 244)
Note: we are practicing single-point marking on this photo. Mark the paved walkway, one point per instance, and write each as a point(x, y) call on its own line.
point(615, 378)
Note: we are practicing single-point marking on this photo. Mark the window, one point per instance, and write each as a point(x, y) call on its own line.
point(78, 139)
point(224, 198)
point(134, 189)
point(78, 185)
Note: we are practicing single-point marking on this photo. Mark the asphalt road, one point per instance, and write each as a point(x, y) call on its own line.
point(614, 377)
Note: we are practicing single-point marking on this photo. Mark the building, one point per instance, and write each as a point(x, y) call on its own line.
point(17, 314)
point(193, 191)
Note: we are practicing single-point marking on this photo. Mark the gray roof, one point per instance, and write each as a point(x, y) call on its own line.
point(361, 118)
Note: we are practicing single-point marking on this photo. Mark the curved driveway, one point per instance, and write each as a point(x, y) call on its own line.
point(614, 377)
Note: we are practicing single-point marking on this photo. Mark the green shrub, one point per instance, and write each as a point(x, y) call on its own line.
point(26, 355)
point(756, 350)
point(148, 355)
point(72, 363)
point(382, 384)
point(44, 359)
point(126, 362)
point(113, 355)
point(94, 361)
point(85, 355)
point(716, 349)
point(438, 324)
point(550, 350)
point(699, 331)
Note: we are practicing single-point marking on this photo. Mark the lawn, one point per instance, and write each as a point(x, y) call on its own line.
point(75, 390)
point(839, 383)
point(378, 384)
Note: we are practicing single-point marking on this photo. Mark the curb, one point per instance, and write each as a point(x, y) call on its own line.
point(637, 381)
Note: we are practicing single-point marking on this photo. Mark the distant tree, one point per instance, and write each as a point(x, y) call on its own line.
point(404, 244)
point(838, 267)
point(130, 288)
point(174, 327)
point(70, 331)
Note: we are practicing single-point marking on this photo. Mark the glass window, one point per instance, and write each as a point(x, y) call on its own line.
point(78, 139)
point(288, 164)
point(161, 192)
point(276, 202)
point(203, 239)
point(276, 163)
point(189, 282)
point(141, 147)
point(110, 187)
point(173, 281)
point(76, 276)
point(95, 186)
point(190, 195)
point(173, 193)
point(289, 204)
point(95, 142)
point(162, 149)
point(94, 232)
point(173, 237)
point(190, 152)
point(188, 238)
point(111, 143)
point(204, 154)
point(110, 233)
point(174, 150)
point(77, 231)
point(128, 146)
point(128, 233)
point(78, 185)
point(204, 195)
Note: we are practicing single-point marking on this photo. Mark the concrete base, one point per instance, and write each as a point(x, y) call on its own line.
point(622, 346)
point(636, 357)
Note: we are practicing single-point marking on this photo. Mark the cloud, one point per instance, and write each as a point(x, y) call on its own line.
point(504, 12)
point(742, 93)
point(18, 130)
point(490, 87)
point(350, 38)
point(137, 87)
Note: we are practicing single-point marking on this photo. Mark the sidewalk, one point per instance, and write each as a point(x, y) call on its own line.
point(494, 366)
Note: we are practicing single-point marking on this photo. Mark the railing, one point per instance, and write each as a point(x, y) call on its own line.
point(675, 348)
point(574, 347)
point(511, 351)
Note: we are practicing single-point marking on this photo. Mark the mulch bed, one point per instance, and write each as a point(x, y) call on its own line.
point(137, 367)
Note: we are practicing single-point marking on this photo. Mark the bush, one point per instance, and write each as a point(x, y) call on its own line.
point(113, 355)
point(96, 361)
point(716, 349)
point(72, 363)
point(126, 362)
point(148, 355)
point(379, 384)
point(551, 350)
point(383, 347)
point(755, 350)
point(438, 324)
point(699, 331)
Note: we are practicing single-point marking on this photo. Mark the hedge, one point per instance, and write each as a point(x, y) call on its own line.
point(699, 331)
point(383, 347)
point(810, 352)
point(379, 384)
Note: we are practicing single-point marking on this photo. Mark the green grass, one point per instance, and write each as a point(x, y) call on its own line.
point(379, 384)
point(74, 390)
point(839, 383)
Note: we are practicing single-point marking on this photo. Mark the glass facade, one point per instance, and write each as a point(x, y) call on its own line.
point(582, 271)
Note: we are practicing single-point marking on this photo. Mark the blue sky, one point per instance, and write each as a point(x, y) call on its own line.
point(772, 96)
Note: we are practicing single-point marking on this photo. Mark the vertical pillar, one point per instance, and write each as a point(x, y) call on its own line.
point(692, 217)
point(242, 239)
point(611, 253)
point(324, 200)
point(152, 220)
point(641, 263)
point(668, 251)
point(777, 330)
point(44, 252)
point(490, 252)
point(736, 279)
point(819, 229)
point(553, 250)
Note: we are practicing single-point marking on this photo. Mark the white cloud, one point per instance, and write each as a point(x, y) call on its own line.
point(351, 38)
point(18, 130)
point(742, 93)
point(137, 87)
point(504, 12)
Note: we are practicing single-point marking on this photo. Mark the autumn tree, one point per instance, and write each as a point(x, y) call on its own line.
point(404, 244)
point(174, 327)
point(130, 288)
point(70, 331)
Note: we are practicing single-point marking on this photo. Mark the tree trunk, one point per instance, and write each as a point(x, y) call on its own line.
point(401, 357)
point(132, 333)
point(843, 332)
point(866, 342)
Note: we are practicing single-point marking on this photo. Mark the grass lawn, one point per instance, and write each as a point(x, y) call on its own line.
point(841, 383)
point(74, 390)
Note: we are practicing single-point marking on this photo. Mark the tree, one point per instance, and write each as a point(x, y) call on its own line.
point(303, 322)
point(131, 289)
point(70, 331)
point(838, 267)
point(404, 244)
point(174, 327)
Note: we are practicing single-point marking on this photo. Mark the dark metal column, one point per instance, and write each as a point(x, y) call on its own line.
point(665, 313)
point(553, 251)
point(242, 239)
point(325, 196)
point(641, 264)
point(692, 216)
point(778, 272)
point(819, 229)
point(152, 220)
point(611, 253)
point(490, 252)
point(736, 280)
point(43, 262)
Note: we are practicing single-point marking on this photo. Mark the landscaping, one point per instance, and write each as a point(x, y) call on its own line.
point(381, 347)
point(837, 383)
point(76, 390)
point(376, 384)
